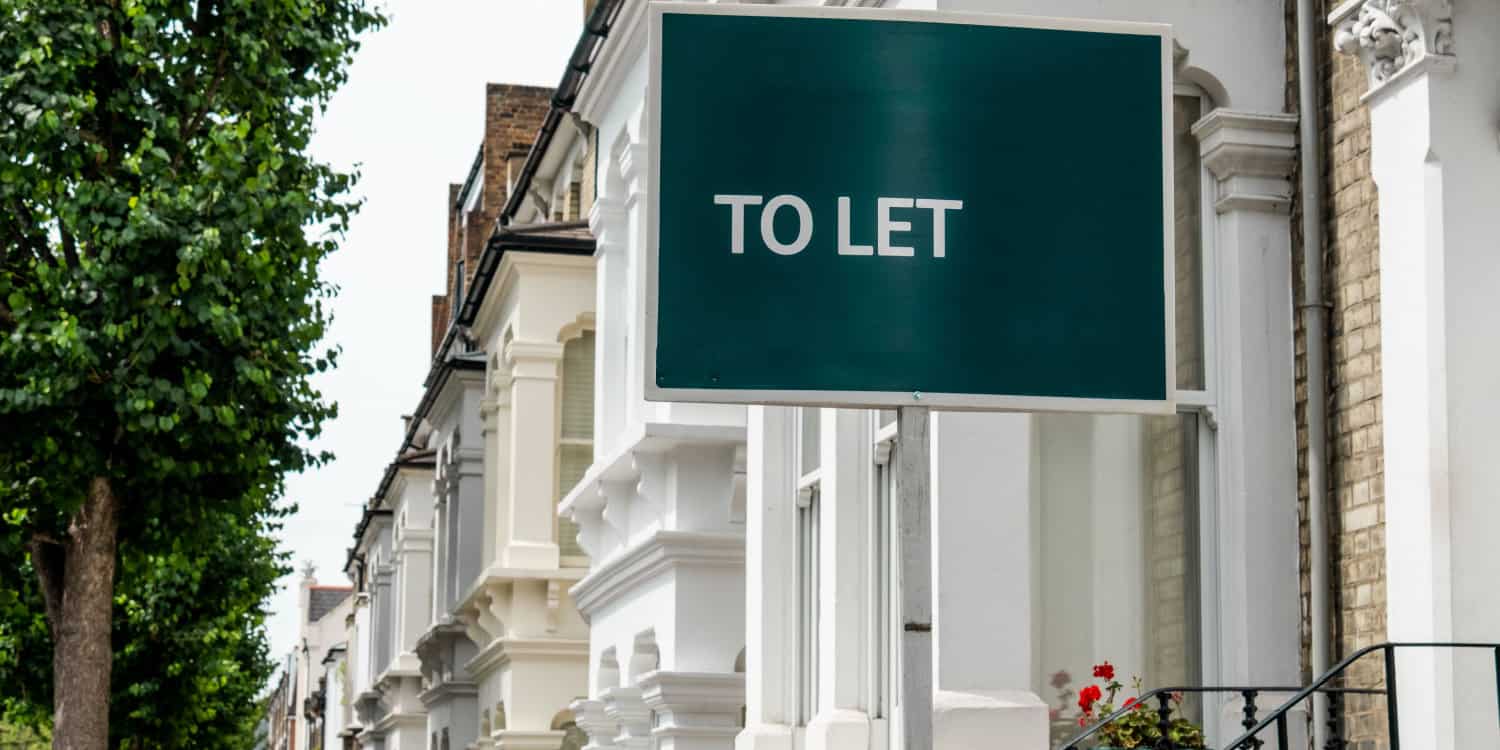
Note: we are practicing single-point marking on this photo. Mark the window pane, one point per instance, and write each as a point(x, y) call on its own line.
point(1119, 555)
point(1188, 241)
point(573, 461)
point(578, 387)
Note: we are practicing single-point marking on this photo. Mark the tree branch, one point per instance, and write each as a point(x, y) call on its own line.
point(191, 126)
point(48, 557)
point(70, 252)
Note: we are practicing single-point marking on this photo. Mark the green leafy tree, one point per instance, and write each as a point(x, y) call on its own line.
point(160, 305)
point(190, 651)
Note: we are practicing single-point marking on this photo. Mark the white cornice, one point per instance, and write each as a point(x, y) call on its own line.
point(528, 739)
point(444, 691)
point(516, 265)
point(1251, 156)
point(413, 539)
point(662, 551)
point(1395, 39)
point(502, 651)
point(693, 691)
point(449, 396)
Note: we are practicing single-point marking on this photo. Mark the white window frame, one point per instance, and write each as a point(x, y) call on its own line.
point(884, 652)
point(806, 551)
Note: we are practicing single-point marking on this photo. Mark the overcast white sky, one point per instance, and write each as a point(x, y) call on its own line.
point(411, 115)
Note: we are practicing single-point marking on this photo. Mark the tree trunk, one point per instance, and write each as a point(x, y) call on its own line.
point(82, 653)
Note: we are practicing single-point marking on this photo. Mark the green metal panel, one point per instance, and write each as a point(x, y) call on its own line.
point(1052, 282)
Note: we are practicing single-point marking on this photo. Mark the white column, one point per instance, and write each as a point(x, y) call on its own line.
point(497, 467)
point(984, 642)
point(1434, 158)
point(490, 425)
point(607, 222)
point(633, 161)
point(1251, 638)
point(770, 598)
point(414, 560)
point(533, 483)
point(842, 720)
point(1119, 582)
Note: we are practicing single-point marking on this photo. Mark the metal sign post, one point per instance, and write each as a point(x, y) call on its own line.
point(914, 488)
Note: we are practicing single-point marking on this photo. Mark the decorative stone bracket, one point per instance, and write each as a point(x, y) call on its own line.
point(1393, 37)
point(1250, 156)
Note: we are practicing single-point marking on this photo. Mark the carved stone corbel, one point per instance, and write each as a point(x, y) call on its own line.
point(1394, 36)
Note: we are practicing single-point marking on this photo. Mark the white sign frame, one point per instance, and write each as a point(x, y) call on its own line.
point(890, 399)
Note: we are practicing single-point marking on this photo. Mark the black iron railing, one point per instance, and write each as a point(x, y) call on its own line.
point(1277, 717)
point(1166, 697)
point(1275, 724)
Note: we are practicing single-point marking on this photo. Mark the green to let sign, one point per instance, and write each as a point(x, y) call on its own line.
point(858, 208)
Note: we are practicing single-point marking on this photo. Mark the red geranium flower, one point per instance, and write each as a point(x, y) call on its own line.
point(1129, 702)
point(1087, 697)
point(1105, 671)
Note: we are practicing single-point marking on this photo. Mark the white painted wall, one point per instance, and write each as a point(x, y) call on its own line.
point(1435, 157)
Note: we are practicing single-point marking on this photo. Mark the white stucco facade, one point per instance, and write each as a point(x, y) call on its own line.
point(396, 550)
point(530, 643)
point(661, 510)
point(1034, 516)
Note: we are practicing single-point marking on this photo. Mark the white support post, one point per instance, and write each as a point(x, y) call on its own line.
point(914, 485)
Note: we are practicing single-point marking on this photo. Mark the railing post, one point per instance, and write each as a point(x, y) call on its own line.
point(1392, 723)
point(1249, 721)
point(1164, 721)
point(1335, 721)
point(1497, 675)
point(1281, 741)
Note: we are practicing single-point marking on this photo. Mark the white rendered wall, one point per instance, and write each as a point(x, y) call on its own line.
point(1435, 160)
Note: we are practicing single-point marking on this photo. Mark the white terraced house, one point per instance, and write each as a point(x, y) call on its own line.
point(464, 636)
point(1241, 542)
point(633, 574)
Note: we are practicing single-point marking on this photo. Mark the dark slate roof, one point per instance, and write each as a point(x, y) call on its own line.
point(322, 600)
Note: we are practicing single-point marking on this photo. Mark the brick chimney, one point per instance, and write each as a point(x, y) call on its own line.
point(512, 116)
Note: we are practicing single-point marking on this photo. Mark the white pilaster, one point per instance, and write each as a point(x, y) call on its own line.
point(1251, 639)
point(533, 483)
point(770, 596)
point(1435, 160)
point(842, 720)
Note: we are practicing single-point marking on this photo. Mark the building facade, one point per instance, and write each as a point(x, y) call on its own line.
point(462, 635)
point(1169, 546)
point(671, 575)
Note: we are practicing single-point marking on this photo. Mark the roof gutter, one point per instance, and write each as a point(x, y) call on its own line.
point(595, 29)
point(518, 237)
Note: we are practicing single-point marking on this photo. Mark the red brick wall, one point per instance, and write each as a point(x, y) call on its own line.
point(512, 116)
